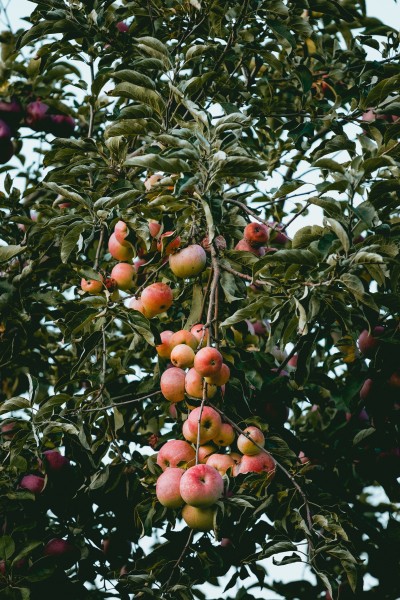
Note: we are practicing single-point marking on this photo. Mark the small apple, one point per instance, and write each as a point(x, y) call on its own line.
point(246, 446)
point(244, 246)
point(156, 299)
point(32, 483)
point(199, 519)
point(210, 423)
point(55, 462)
point(208, 361)
point(201, 486)
point(176, 453)
point(168, 488)
point(194, 385)
point(124, 275)
point(221, 462)
point(164, 349)
point(369, 343)
point(62, 551)
point(184, 337)
point(205, 452)
point(188, 262)
point(122, 27)
point(154, 228)
point(182, 356)
point(257, 464)
point(36, 116)
point(256, 234)
point(221, 377)
point(226, 435)
point(173, 384)
point(200, 334)
point(119, 251)
point(92, 286)
point(166, 248)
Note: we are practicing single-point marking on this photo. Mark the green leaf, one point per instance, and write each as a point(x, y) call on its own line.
point(16, 403)
point(8, 252)
point(340, 232)
point(7, 547)
point(291, 257)
point(355, 286)
point(68, 193)
point(155, 162)
point(140, 94)
point(135, 77)
point(70, 240)
point(381, 91)
point(361, 435)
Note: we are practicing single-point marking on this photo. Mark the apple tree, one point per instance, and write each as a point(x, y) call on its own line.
point(199, 309)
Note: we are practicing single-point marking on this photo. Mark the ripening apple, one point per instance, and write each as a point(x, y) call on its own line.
point(208, 361)
point(172, 384)
point(166, 248)
point(244, 246)
point(277, 235)
point(184, 337)
point(182, 356)
point(205, 452)
point(55, 462)
point(188, 262)
point(210, 423)
point(11, 112)
point(62, 551)
point(167, 488)
point(256, 234)
point(221, 462)
point(122, 27)
point(237, 459)
point(121, 232)
point(92, 286)
point(199, 519)
point(226, 435)
point(154, 228)
point(123, 274)
point(369, 343)
point(119, 251)
point(164, 349)
point(257, 464)
point(33, 483)
point(246, 446)
point(221, 377)
point(200, 334)
point(176, 453)
point(136, 304)
point(188, 434)
point(156, 299)
point(201, 486)
point(194, 385)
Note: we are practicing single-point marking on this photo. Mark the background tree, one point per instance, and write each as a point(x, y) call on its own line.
point(161, 130)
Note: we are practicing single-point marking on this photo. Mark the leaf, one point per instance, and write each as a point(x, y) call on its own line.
point(246, 312)
point(8, 252)
point(155, 162)
point(140, 94)
point(241, 166)
point(354, 284)
point(361, 435)
point(127, 127)
point(66, 193)
point(195, 51)
point(277, 548)
point(26, 551)
point(287, 560)
point(340, 232)
point(16, 403)
point(135, 77)
point(281, 31)
point(291, 257)
point(229, 287)
point(195, 307)
point(381, 91)
point(7, 547)
point(89, 345)
point(70, 240)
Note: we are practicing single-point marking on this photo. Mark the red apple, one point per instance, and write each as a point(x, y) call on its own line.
point(256, 234)
point(119, 251)
point(169, 247)
point(221, 462)
point(8, 430)
point(136, 304)
point(210, 423)
point(121, 231)
point(246, 445)
point(122, 27)
point(124, 274)
point(156, 298)
point(63, 551)
point(199, 519)
point(173, 384)
point(164, 349)
point(369, 342)
point(200, 334)
point(188, 262)
point(182, 356)
point(167, 488)
point(208, 361)
point(188, 434)
point(201, 486)
point(205, 452)
point(154, 228)
point(244, 246)
point(33, 483)
point(183, 337)
point(55, 462)
point(176, 453)
point(226, 435)
point(257, 464)
point(194, 385)
point(61, 125)
point(220, 378)
point(11, 112)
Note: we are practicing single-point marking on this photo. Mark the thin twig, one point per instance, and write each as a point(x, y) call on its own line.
point(178, 562)
point(121, 403)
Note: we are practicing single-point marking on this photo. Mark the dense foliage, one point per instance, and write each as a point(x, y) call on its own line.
point(231, 105)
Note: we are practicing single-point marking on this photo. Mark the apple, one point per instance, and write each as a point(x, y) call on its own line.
point(292, 363)
point(8, 430)
point(5, 131)
point(199, 519)
point(368, 390)
point(237, 459)
point(219, 242)
point(208, 361)
point(257, 464)
point(172, 384)
point(122, 27)
point(246, 446)
point(61, 550)
point(277, 236)
point(33, 483)
point(244, 246)
point(156, 298)
point(200, 334)
point(221, 462)
point(167, 488)
point(121, 231)
point(220, 378)
point(226, 435)
point(55, 462)
point(188, 262)
point(210, 423)
point(136, 304)
point(194, 385)
point(256, 234)
point(151, 181)
point(182, 356)
point(154, 228)
point(166, 248)
point(164, 349)
point(61, 125)
point(119, 251)
point(176, 453)
point(184, 337)
point(36, 116)
point(188, 434)
point(11, 112)
point(261, 328)
point(205, 452)
point(201, 486)
point(368, 343)
point(124, 274)
point(92, 286)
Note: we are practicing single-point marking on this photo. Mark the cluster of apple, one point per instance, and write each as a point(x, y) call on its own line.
point(256, 235)
point(205, 365)
point(197, 487)
point(37, 115)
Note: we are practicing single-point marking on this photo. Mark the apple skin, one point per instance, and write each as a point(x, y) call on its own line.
point(277, 236)
point(221, 462)
point(182, 356)
point(122, 27)
point(5, 131)
point(244, 246)
point(199, 519)
point(188, 262)
point(246, 446)
point(184, 337)
point(256, 234)
point(368, 343)
point(169, 247)
point(156, 298)
point(61, 125)
point(11, 112)
point(154, 228)
point(210, 423)
point(36, 116)
point(205, 452)
point(167, 488)
point(200, 334)
point(237, 459)
point(176, 453)
point(33, 483)
point(8, 430)
point(121, 231)
point(208, 361)
point(194, 385)
point(55, 462)
point(220, 378)
point(120, 251)
point(61, 550)
point(201, 486)
point(124, 275)
point(136, 304)
point(368, 391)
point(257, 464)
point(189, 435)
point(164, 349)
point(226, 435)
point(173, 384)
